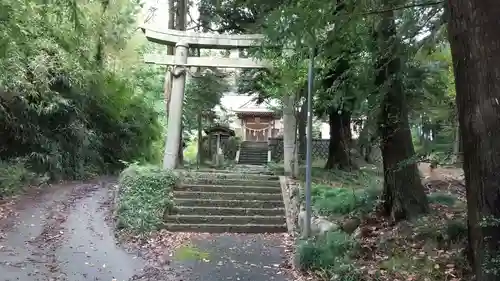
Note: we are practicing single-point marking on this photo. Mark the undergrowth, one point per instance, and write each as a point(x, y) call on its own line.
point(13, 177)
point(328, 201)
point(430, 248)
point(340, 193)
point(329, 256)
point(145, 194)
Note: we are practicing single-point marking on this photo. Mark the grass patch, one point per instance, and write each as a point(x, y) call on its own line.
point(144, 196)
point(328, 201)
point(341, 193)
point(329, 256)
point(442, 198)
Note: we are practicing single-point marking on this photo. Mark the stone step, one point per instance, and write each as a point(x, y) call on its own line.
point(227, 195)
point(221, 228)
point(221, 211)
point(239, 176)
point(257, 152)
point(258, 159)
point(253, 157)
point(252, 162)
point(229, 203)
point(224, 172)
point(204, 219)
point(228, 188)
point(243, 182)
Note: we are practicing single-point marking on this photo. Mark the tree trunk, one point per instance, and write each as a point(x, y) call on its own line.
point(457, 157)
point(403, 195)
point(167, 89)
point(338, 148)
point(288, 133)
point(475, 40)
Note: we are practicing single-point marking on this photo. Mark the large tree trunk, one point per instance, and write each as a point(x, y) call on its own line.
point(338, 149)
point(403, 195)
point(289, 129)
point(475, 39)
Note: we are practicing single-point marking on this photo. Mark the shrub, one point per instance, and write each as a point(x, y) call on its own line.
point(77, 131)
point(442, 198)
point(329, 254)
point(145, 194)
point(456, 230)
point(328, 201)
point(191, 152)
point(13, 176)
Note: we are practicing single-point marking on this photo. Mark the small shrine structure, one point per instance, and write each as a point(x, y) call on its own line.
point(258, 121)
point(218, 136)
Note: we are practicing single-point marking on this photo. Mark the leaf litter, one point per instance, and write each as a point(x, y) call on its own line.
point(429, 248)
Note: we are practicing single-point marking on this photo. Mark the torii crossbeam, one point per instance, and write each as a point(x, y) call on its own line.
point(182, 41)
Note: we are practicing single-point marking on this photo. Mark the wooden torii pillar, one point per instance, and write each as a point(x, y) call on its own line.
point(180, 62)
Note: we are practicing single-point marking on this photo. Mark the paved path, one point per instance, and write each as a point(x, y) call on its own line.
point(242, 257)
point(61, 233)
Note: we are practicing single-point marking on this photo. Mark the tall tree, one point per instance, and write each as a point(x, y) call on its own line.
point(475, 40)
point(403, 194)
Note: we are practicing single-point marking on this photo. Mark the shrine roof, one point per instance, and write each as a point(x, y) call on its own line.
point(252, 107)
point(220, 129)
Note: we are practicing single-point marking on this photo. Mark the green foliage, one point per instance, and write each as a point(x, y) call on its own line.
point(442, 198)
point(191, 151)
point(340, 193)
point(203, 93)
point(449, 231)
point(329, 255)
point(67, 105)
point(13, 177)
point(145, 195)
point(329, 201)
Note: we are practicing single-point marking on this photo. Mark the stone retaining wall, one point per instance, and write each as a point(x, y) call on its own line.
point(290, 190)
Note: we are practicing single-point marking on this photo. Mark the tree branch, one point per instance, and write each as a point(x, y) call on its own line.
point(426, 4)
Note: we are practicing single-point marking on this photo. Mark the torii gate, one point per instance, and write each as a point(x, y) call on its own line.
point(180, 61)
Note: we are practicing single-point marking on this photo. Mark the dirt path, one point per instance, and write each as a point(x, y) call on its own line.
point(61, 233)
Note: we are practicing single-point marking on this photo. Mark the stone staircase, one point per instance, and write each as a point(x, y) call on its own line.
point(253, 153)
point(228, 202)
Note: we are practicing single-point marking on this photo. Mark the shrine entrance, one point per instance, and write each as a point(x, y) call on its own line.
point(180, 63)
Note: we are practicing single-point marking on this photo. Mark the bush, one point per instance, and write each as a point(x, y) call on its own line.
point(13, 177)
point(77, 132)
point(191, 152)
point(442, 198)
point(329, 201)
point(456, 230)
point(145, 195)
point(330, 254)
